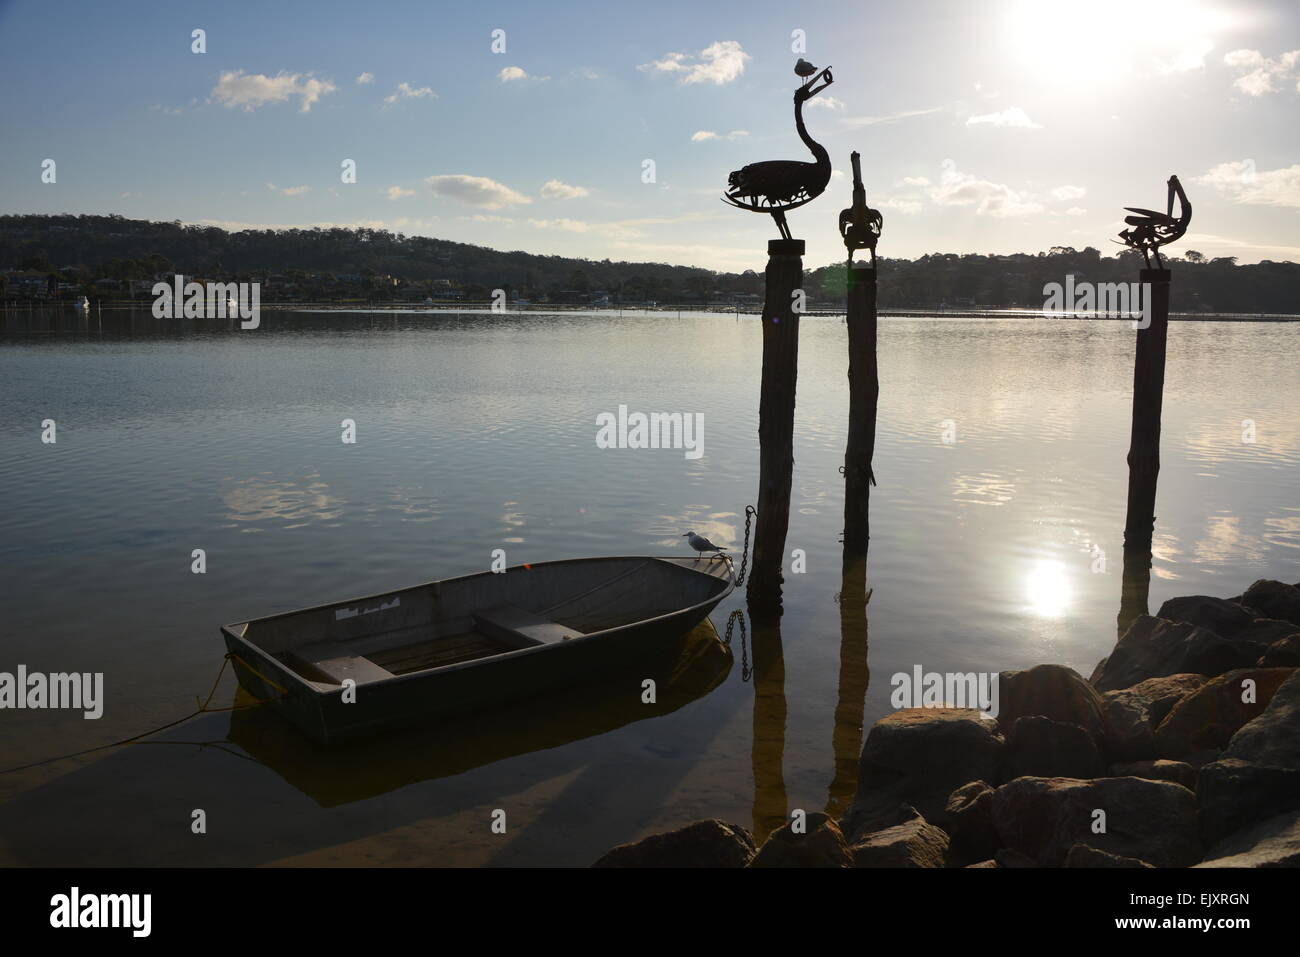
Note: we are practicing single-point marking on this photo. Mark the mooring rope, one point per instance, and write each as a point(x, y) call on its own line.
point(202, 709)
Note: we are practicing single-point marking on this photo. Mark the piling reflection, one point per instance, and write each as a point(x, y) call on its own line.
point(855, 675)
point(337, 775)
point(768, 754)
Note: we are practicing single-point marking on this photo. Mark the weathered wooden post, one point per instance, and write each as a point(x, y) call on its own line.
point(860, 229)
point(1148, 397)
point(775, 187)
point(1149, 230)
point(776, 417)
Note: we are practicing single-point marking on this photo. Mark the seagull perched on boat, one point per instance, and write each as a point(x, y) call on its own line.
point(702, 544)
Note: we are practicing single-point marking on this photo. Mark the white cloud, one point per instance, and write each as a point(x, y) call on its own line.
point(365, 78)
point(1013, 118)
point(699, 136)
point(405, 91)
point(396, 192)
point(857, 121)
point(249, 91)
point(827, 103)
point(1258, 74)
point(1250, 187)
point(989, 199)
point(1069, 192)
point(905, 206)
point(1075, 211)
point(914, 181)
point(717, 63)
point(475, 191)
point(289, 190)
point(517, 73)
point(586, 73)
point(554, 189)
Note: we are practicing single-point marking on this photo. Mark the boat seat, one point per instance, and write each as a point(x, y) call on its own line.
point(520, 627)
point(335, 660)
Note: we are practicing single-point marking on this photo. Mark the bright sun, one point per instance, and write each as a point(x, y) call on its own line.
point(1065, 42)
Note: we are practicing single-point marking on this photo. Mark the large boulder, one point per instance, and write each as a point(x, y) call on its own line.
point(1153, 821)
point(1081, 855)
point(1154, 648)
point(1258, 774)
point(1178, 772)
point(1211, 715)
point(1049, 749)
point(1274, 600)
point(1049, 691)
point(917, 757)
point(1224, 618)
point(913, 844)
point(1133, 714)
point(1283, 653)
point(1274, 842)
point(969, 813)
point(709, 843)
point(819, 843)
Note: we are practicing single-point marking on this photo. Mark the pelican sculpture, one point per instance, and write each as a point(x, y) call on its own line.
point(860, 224)
point(778, 186)
point(1149, 229)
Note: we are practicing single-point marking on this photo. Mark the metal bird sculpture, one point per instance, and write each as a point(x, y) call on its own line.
point(860, 224)
point(1149, 230)
point(778, 186)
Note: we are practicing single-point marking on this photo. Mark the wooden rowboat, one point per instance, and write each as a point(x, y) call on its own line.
point(353, 668)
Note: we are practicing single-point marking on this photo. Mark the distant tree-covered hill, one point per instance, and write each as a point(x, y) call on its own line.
point(113, 256)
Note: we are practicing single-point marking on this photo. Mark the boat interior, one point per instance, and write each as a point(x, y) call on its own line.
point(480, 616)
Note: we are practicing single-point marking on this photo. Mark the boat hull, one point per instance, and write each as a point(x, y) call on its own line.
point(327, 716)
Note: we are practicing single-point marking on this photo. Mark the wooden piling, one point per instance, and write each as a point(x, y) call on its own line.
point(784, 275)
point(1148, 392)
point(864, 394)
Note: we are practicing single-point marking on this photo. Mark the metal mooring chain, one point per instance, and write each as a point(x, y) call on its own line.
point(750, 512)
point(738, 616)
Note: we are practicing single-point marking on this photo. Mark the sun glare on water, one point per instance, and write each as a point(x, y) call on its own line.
point(1047, 590)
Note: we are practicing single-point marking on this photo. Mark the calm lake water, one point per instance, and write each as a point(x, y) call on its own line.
point(477, 432)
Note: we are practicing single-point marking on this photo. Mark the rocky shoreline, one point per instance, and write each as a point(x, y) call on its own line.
point(1182, 749)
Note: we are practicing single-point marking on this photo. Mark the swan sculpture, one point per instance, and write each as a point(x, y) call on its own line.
point(778, 186)
point(1149, 229)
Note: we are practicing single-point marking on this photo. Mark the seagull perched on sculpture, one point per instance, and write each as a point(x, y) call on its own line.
point(702, 544)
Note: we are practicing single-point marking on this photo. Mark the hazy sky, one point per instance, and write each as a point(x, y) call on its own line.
point(984, 126)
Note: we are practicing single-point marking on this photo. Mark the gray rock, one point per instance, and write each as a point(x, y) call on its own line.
point(1274, 600)
point(1178, 772)
point(1153, 821)
point(1211, 715)
point(709, 843)
point(914, 844)
point(1133, 714)
point(821, 845)
point(1274, 842)
point(1081, 855)
point(1224, 618)
point(919, 756)
point(990, 863)
point(1006, 857)
point(1049, 749)
point(1049, 691)
point(969, 813)
point(1285, 652)
point(1232, 794)
point(1154, 648)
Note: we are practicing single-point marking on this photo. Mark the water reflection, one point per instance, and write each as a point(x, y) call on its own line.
point(767, 755)
point(855, 674)
point(337, 775)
